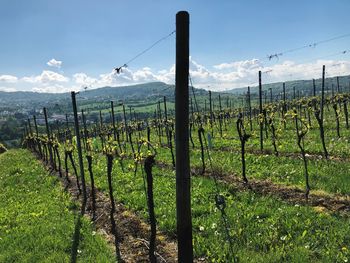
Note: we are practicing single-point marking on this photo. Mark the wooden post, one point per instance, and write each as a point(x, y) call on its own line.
point(165, 109)
point(67, 124)
point(30, 128)
point(85, 129)
point(314, 86)
point(113, 122)
point(49, 146)
point(250, 109)
point(261, 112)
point(36, 126)
point(211, 113)
point(183, 183)
point(322, 94)
point(294, 93)
point(80, 154)
point(101, 120)
point(284, 97)
point(338, 88)
point(125, 124)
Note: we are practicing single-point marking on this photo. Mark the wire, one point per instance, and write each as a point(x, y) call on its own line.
point(125, 65)
point(312, 45)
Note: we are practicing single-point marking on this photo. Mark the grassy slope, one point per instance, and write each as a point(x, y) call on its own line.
point(36, 221)
point(263, 228)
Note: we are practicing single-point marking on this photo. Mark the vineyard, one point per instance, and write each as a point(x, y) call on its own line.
point(269, 178)
point(269, 182)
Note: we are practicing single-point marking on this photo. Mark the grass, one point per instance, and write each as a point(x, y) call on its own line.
point(37, 217)
point(262, 228)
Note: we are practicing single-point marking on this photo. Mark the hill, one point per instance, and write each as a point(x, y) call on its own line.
point(303, 86)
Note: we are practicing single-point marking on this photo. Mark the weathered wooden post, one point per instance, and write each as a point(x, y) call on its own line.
point(338, 88)
point(80, 154)
point(322, 91)
point(211, 113)
point(260, 113)
point(294, 93)
point(113, 122)
point(49, 143)
point(183, 183)
point(125, 124)
point(250, 109)
point(314, 86)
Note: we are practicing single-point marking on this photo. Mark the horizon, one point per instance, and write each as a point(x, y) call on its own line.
point(67, 50)
point(153, 82)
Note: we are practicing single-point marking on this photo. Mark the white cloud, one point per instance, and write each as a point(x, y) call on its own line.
point(55, 88)
point(8, 78)
point(254, 63)
point(46, 76)
point(84, 80)
point(54, 63)
point(227, 75)
point(7, 89)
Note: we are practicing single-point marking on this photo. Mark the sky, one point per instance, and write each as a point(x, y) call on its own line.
point(60, 46)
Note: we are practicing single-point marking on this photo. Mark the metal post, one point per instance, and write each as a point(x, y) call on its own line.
point(183, 183)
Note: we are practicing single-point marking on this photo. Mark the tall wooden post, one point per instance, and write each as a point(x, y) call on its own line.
point(30, 128)
point(250, 109)
point(294, 93)
point(85, 129)
point(322, 94)
point(101, 120)
point(183, 183)
point(284, 97)
point(211, 113)
point(113, 122)
point(36, 126)
point(338, 88)
point(314, 86)
point(165, 110)
point(125, 124)
point(49, 142)
point(80, 153)
point(261, 112)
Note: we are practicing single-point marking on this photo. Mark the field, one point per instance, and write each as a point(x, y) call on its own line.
point(289, 202)
point(38, 218)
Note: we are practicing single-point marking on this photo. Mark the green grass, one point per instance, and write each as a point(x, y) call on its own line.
point(262, 228)
point(37, 217)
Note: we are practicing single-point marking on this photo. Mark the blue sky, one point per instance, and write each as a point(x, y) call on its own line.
point(230, 40)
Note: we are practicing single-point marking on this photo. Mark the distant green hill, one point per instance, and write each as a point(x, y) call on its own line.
point(305, 87)
point(147, 91)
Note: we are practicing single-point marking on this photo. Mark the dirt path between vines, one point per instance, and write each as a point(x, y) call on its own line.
point(133, 233)
point(321, 202)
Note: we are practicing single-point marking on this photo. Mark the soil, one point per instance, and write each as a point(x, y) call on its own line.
point(321, 202)
point(132, 232)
